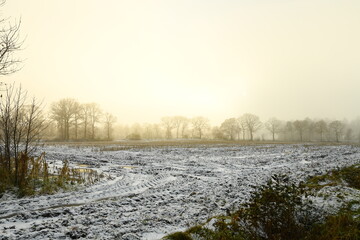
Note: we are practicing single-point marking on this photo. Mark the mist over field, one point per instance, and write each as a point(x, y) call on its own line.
point(145, 60)
point(193, 119)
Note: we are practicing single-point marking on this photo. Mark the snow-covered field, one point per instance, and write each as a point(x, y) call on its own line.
point(156, 191)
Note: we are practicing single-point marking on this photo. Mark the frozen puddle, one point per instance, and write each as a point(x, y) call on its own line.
point(128, 167)
point(154, 192)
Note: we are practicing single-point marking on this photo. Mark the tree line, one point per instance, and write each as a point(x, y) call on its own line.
point(247, 127)
point(79, 121)
point(244, 128)
point(69, 119)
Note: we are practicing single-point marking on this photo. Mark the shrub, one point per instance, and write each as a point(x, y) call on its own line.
point(271, 212)
point(339, 227)
point(222, 231)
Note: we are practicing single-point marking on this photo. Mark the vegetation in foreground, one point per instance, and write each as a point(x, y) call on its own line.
point(21, 171)
point(34, 177)
point(280, 209)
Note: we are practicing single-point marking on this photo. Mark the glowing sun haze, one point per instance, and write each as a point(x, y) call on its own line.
point(145, 59)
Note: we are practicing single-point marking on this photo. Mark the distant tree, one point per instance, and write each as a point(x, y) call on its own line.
point(239, 129)
point(199, 125)
point(109, 121)
point(300, 126)
point(242, 127)
point(288, 131)
point(252, 123)
point(273, 125)
point(169, 125)
point(63, 113)
point(184, 127)
point(217, 133)
point(178, 123)
point(310, 128)
point(320, 128)
point(94, 117)
point(337, 127)
point(85, 117)
point(51, 129)
point(77, 117)
point(230, 128)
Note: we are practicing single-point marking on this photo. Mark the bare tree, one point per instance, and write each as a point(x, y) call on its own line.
point(310, 129)
point(21, 125)
point(337, 128)
point(184, 128)
point(36, 124)
point(168, 124)
point(77, 117)
point(230, 128)
point(300, 126)
point(94, 116)
point(242, 127)
point(9, 44)
point(321, 128)
point(85, 115)
point(109, 121)
point(199, 124)
point(63, 113)
point(252, 123)
point(179, 122)
point(273, 125)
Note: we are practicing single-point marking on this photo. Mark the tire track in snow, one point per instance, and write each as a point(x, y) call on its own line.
point(121, 187)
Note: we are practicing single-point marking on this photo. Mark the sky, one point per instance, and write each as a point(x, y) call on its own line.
point(145, 59)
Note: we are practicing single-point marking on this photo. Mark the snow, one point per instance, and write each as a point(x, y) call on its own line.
point(156, 191)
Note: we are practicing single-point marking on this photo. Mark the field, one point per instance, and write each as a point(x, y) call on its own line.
point(151, 189)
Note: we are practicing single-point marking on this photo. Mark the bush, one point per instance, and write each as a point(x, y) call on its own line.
point(272, 211)
point(222, 231)
point(339, 227)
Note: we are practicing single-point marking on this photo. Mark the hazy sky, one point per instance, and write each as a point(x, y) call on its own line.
point(142, 60)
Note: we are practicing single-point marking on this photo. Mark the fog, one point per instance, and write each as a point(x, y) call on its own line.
point(142, 60)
